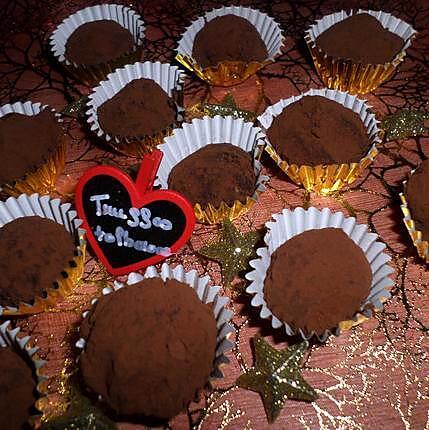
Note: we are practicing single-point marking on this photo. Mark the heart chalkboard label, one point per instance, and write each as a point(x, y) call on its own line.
point(128, 225)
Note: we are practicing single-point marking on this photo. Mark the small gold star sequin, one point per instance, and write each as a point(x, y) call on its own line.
point(233, 250)
point(276, 376)
point(405, 123)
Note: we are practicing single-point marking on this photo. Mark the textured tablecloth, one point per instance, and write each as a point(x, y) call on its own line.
point(375, 376)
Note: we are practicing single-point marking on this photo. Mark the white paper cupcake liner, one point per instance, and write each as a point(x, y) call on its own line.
point(202, 132)
point(354, 76)
point(44, 207)
point(291, 223)
point(267, 28)
point(421, 245)
point(345, 99)
point(123, 15)
point(207, 294)
point(389, 22)
point(13, 338)
point(169, 78)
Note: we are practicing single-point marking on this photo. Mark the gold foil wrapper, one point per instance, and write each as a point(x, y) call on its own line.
point(43, 179)
point(422, 246)
point(215, 215)
point(353, 77)
point(345, 75)
point(61, 287)
point(324, 179)
point(226, 73)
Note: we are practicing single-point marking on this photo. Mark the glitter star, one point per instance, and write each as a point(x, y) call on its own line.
point(232, 250)
point(405, 123)
point(228, 107)
point(76, 109)
point(276, 376)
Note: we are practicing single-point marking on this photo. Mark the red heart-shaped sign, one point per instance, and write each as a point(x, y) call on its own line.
point(128, 225)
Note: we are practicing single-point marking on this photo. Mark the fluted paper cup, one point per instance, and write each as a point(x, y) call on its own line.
point(325, 178)
point(207, 294)
point(169, 78)
point(24, 345)
point(228, 73)
point(345, 74)
point(45, 207)
point(288, 224)
point(421, 245)
point(42, 179)
point(123, 15)
point(202, 132)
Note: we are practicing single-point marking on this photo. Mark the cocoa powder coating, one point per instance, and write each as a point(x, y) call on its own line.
point(213, 174)
point(34, 252)
point(361, 38)
point(315, 130)
point(228, 38)
point(141, 108)
point(417, 195)
point(149, 347)
point(26, 143)
point(17, 388)
point(98, 42)
point(317, 279)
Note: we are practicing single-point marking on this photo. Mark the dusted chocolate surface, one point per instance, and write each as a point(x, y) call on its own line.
point(17, 388)
point(417, 194)
point(228, 38)
point(362, 39)
point(317, 279)
point(98, 42)
point(141, 108)
point(33, 253)
point(26, 142)
point(315, 130)
point(213, 174)
point(150, 347)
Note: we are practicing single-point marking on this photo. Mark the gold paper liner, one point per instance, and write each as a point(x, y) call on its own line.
point(215, 215)
point(323, 179)
point(139, 146)
point(42, 180)
point(421, 245)
point(65, 286)
point(91, 75)
point(226, 73)
point(346, 75)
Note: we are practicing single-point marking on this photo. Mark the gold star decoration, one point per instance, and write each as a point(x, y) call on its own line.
point(232, 250)
point(276, 376)
point(228, 107)
point(405, 123)
point(81, 414)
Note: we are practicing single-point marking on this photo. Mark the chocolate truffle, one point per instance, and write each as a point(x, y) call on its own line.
point(34, 252)
point(417, 195)
point(98, 42)
point(317, 279)
point(141, 108)
point(216, 173)
point(228, 38)
point(26, 143)
point(315, 130)
point(362, 39)
point(17, 388)
point(149, 347)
